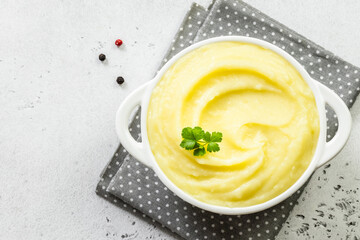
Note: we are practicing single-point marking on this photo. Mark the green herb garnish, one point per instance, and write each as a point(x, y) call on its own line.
point(200, 141)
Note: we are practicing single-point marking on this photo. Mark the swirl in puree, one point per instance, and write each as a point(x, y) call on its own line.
point(258, 100)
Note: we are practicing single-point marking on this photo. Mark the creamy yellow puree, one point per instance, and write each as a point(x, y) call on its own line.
point(261, 104)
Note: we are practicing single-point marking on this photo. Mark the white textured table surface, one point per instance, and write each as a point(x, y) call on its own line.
point(58, 101)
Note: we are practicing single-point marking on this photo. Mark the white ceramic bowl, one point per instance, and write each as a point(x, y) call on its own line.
point(324, 151)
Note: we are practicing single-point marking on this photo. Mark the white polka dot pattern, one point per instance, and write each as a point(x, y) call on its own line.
point(127, 180)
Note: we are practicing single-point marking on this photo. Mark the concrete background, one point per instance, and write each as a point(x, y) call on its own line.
point(58, 102)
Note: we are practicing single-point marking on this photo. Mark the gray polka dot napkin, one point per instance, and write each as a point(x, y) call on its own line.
point(131, 185)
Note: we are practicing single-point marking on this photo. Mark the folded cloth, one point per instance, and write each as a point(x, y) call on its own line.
point(125, 181)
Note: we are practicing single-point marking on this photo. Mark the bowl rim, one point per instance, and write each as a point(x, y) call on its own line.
point(320, 103)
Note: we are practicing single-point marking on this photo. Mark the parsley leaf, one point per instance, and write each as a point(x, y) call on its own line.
point(200, 141)
point(188, 144)
point(207, 137)
point(216, 137)
point(187, 133)
point(199, 151)
point(213, 147)
point(198, 133)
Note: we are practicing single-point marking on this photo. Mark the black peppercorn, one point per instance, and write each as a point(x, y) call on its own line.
point(102, 57)
point(120, 80)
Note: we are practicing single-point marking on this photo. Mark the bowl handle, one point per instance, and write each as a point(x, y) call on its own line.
point(136, 149)
point(334, 146)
